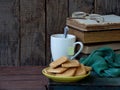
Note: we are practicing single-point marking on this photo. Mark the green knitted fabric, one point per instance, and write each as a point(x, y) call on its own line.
point(104, 61)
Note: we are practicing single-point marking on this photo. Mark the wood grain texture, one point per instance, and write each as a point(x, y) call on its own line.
point(32, 15)
point(22, 78)
point(9, 32)
point(21, 85)
point(57, 11)
point(22, 70)
point(107, 7)
point(81, 5)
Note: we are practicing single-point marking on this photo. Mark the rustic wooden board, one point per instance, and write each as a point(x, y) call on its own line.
point(107, 7)
point(9, 32)
point(22, 85)
point(22, 78)
point(57, 11)
point(32, 15)
point(81, 5)
point(31, 70)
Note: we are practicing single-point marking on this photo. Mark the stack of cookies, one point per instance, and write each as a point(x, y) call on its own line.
point(65, 67)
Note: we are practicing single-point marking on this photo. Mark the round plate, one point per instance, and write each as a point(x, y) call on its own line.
point(62, 78)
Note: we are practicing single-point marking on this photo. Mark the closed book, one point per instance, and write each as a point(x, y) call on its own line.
point(96, 36)
point(117, 51)
point(89, 48)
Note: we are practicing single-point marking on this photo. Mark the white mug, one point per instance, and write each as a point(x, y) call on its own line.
point(61, 46)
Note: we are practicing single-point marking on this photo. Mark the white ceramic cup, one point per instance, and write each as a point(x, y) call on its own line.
point(61, 46)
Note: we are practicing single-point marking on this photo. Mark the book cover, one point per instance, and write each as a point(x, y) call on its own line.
point(117, 51)
point(96, 36)
point(89, 48)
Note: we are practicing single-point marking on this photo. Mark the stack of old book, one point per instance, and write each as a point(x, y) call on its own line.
point(94, 34)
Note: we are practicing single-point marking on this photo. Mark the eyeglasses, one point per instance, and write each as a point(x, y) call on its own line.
point(82, 15)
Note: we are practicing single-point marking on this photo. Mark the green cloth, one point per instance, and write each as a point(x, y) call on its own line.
point(104, 61)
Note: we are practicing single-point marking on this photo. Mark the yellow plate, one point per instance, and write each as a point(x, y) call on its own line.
point(62, 78)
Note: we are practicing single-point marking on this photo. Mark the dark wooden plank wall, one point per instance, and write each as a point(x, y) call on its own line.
point(26, 26)
point(32, 32)
point(9, 32)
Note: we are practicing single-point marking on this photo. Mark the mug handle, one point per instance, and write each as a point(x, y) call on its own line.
point(81, 47)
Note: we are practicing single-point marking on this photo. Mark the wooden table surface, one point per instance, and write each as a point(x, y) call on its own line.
point(22, 78)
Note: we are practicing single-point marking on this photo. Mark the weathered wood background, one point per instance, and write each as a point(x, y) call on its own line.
point(26, 26)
